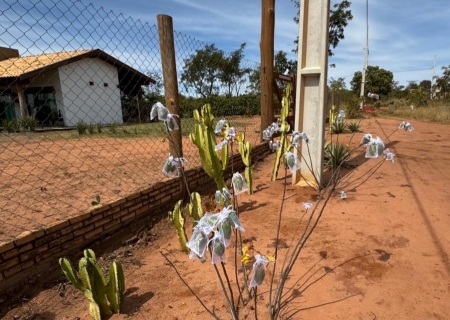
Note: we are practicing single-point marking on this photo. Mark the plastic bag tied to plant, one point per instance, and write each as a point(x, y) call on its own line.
point(374, 148)
point(238, 183)
point(389, 155)
point(405, 125)
point(273, 128)
point(274, 146)
point(366, 138)
point(219, 226)
point(297, 136)
point(340, 116)
point(259, 270)
point(223, 197)
point(292, 161)
point(162, 113)
point(306, 205)
point(172, 166)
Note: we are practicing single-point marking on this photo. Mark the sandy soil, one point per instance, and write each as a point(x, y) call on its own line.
point(45, 178)
point(383, 253)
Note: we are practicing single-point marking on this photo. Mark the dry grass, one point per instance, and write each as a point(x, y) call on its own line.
point(436, 111)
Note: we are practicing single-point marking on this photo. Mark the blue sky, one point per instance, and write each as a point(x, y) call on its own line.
point(404, 35)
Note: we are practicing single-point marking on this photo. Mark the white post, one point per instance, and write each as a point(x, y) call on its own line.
point(311, 88)
point(366, 52)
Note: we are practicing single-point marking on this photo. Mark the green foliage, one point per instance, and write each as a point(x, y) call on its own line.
point(285, 103)
point(205, 140)
point(243, 105)
point(336, 154)
point(378, 81)
point(91, 128)
point(81, 127)
point(96, 201)
point(28, 123)
point(338, 127)
point(281, 63)
point(245, 149)
point(176, 217)
point(99, 127)
point(352, 110)
point(113, 127)
point(339, 18)
point(353, 126)
point(11, 126)
point(94, 285)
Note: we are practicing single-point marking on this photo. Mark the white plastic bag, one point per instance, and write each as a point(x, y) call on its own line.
point(238, 183)
point(172, 166)
point(219, 126)
point(259, 270)
point(158, 110)
point(218, 248)
point(220, 145)
point(366, 138)
point(374, 148)
point(292, 162)
point(171, 123)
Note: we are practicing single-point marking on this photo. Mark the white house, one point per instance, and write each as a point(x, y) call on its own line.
point(82, 85)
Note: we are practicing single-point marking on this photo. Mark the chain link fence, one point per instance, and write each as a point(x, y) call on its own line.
point(76, 87)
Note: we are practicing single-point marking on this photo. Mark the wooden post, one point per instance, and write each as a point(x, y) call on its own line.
point(267, 56)
point(312, 87)
point(22, 100)
point(167, 46)
point(166, 43)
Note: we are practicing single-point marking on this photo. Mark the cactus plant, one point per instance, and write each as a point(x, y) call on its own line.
point(176, 217)
point(94, 285)
point(245, 149)
point(284, 129)
point(205, 140)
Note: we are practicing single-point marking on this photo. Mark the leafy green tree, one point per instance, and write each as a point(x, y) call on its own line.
point(202, 70)
point(232, 75)
point(283, 65)
point(254, 79)
point(378, 81)
point(337, 84)
point(443, 82)
point(339, 18)
point(426, 84)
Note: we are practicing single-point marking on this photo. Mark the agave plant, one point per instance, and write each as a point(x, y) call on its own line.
point(336, 154)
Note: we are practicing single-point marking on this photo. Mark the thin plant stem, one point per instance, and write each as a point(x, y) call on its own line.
point(232, 311)
point(190, 289)
point(229, 285)
point(256, 304)
point(276, 240)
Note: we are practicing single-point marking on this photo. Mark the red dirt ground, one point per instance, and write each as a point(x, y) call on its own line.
point(387, 247)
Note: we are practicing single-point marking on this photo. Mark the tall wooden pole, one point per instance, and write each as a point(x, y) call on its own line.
point(166, 43)
point(267, 56)
point(22, 100)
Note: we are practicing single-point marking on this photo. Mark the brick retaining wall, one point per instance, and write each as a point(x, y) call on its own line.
point(35, 251)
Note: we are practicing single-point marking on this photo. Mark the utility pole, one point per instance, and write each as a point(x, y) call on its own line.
point(433, 79)
point(366, 52)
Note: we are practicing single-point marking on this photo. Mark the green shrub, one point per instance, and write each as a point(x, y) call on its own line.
point(353, 126)
point(90, 128)
point(338, 127)
point(113, 127)
point(336, 154)
point(11, 126)
point(81, 127)
point(221, 106)
point(28, 123)
point(99, 127)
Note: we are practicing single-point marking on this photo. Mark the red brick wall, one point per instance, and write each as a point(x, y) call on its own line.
point(38, 250)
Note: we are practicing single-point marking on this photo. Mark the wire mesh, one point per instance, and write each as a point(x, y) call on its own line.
point(76, 87)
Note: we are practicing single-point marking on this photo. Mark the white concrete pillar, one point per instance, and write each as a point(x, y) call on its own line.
point(311, 88)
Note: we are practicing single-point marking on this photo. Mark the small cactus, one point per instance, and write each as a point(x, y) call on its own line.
point(92, 283)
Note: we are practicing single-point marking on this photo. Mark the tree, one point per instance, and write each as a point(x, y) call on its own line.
point(378, 81)
point(337, 85)
point(202, 70)
point(339, 18)
point(254, 79)
point(232, 75)
point(283, 65)
point(426, 84)
point(443, 82)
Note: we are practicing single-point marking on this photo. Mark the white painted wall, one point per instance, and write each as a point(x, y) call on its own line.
point(91, 104)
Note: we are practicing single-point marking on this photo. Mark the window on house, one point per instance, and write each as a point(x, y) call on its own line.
point(41, 104)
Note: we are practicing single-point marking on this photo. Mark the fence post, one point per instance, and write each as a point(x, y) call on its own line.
point(310, 105)
point(166, 43)
point(266, 47)
point(22, 100)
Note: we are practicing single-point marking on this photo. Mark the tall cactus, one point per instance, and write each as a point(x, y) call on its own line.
point(284, 130)
point(94, 285)
point(205, 140)
point(245, 149)
point(176, 217)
